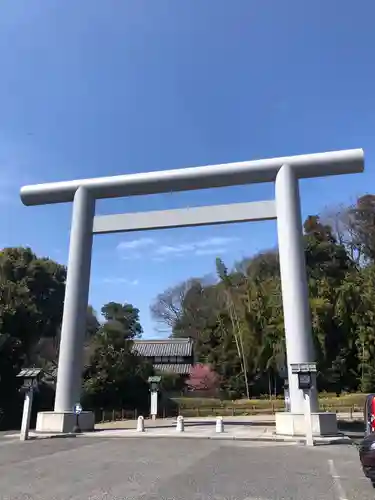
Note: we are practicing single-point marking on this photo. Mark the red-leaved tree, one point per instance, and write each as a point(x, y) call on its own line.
point(203, 378)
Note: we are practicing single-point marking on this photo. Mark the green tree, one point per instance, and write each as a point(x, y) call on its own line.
point(31, 301)
point(325, 258)
point(264, 265)
point(31, 296)
point(114, 376)
point(92, 322)
point(354, 228)
point(122, 317)
point(363, 221)
point(11, 357)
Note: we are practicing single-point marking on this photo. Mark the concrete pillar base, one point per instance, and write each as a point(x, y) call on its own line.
point(293, 424)
point(52, 421)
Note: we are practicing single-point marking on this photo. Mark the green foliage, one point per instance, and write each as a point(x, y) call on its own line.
point(114, 376)
point(31, 296)
point(172, 382)
point(124, 318)
point(31, 301)
point(11, 354)
point(92, 323)
point(362, 217)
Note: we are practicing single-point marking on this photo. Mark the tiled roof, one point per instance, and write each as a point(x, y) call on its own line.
point(182, 369)
point(29, 372)
point(167, 347)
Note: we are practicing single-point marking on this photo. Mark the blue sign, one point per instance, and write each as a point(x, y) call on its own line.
point(77, 408)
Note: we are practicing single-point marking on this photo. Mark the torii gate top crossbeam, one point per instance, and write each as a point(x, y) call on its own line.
point(186, 179)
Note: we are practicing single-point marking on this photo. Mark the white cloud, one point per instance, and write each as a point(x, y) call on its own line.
point(158, 259)
point(147, 247)
point(211, 251)
point(121, 281)
point(176, 249)
point(135, 244)
point(131, 256)
point(215, 242)
point(209, 246)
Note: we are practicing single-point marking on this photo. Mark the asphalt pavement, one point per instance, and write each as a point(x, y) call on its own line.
point(166, 469)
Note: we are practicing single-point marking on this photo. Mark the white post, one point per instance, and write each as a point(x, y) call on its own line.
point(180, 424)
point(25, 425)
point(154, 405)
point(219, 424)
point(308, 419)
point(140, 424)
point(297, 321)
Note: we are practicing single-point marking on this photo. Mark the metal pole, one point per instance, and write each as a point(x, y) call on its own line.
point(76, 427)
point(69, 374)
point(298, 335)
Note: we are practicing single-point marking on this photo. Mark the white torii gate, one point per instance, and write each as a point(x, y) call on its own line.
point(285, 172)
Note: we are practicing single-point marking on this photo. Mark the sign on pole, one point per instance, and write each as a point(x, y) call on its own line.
point(77, 409)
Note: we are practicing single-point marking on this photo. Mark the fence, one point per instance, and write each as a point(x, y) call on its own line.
point(105, 415)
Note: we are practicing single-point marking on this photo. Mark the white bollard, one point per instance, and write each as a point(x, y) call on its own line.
point(140, 424)
point(219, 424)
point(180, 424)
point(308, 420)
point(26, 415)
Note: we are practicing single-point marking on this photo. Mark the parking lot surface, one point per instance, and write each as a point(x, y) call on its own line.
point(166, 469)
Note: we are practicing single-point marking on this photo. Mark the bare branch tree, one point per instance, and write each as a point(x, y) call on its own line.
point(169, 306)
point(340, 219)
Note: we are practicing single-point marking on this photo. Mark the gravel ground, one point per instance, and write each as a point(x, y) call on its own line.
point(163, 469)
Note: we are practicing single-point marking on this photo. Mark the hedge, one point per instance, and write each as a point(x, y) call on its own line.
point(326, 401)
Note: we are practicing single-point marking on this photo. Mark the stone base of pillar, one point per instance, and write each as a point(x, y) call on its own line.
point(51, 421)
point(293, 424)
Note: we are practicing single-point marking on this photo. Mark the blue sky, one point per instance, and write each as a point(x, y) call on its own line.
point(95, 88)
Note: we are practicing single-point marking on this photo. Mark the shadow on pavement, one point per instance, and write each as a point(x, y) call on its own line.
point(265, 423)
point(355, 429)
